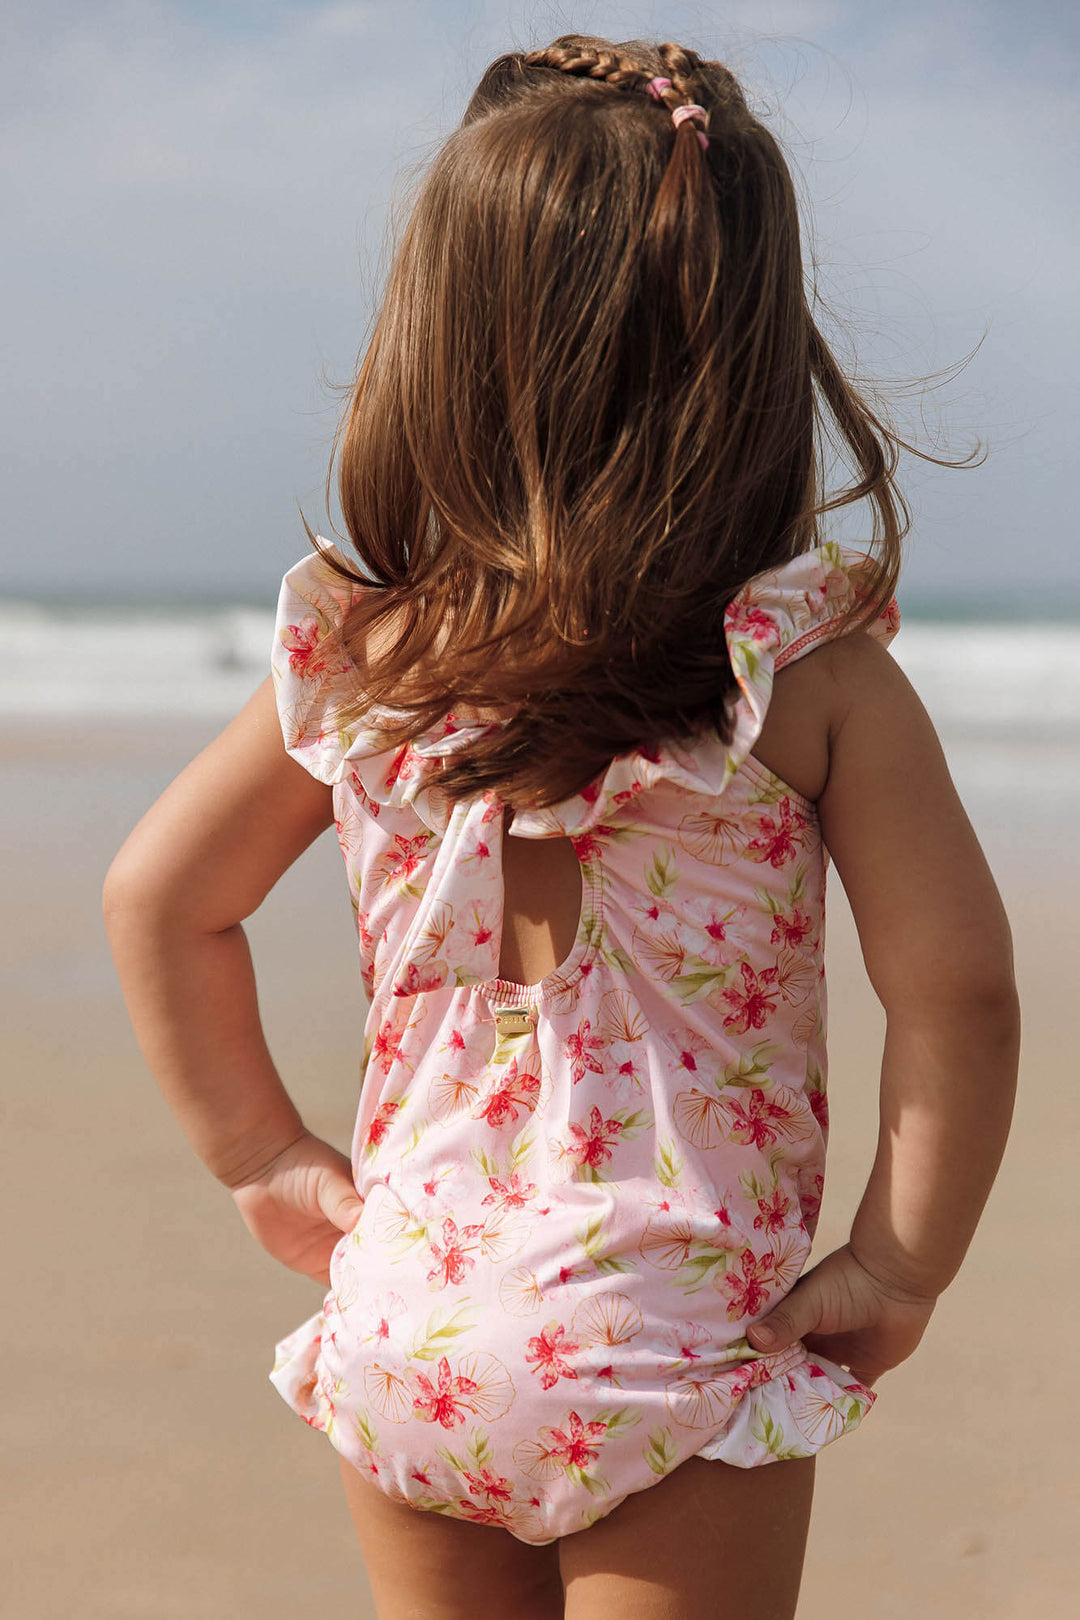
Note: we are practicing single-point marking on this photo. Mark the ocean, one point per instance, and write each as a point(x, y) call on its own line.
point(1004, 697)
point(987, 679)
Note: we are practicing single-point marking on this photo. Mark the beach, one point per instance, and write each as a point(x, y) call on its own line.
point(150, 1470)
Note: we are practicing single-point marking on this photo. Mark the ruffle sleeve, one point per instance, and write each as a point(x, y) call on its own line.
point(776, 617)
point(312, 673)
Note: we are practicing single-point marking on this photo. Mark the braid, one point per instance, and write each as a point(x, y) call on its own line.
point(683, 67)
point(693, 81)
point(585, 62)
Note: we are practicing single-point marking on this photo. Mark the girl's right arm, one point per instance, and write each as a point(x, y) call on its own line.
point(938, 951)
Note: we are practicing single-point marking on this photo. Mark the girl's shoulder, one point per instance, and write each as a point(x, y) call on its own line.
point(812, 700)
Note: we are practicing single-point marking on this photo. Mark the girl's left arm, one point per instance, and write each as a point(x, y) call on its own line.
point(201, 860)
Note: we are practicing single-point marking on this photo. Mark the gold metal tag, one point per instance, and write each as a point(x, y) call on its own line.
point(513, 1020)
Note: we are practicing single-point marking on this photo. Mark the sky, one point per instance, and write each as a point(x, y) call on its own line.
point(195, 208)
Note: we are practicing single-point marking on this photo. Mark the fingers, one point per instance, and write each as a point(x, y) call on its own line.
point(339, 1200)
point(793, 1318)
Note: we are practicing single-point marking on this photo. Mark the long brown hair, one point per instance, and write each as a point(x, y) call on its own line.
point(594, 404)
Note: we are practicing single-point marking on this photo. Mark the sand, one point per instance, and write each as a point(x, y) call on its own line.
point(149, 1469)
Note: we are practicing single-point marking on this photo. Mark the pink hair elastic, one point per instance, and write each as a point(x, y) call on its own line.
point(656, 88)
point(698, 115)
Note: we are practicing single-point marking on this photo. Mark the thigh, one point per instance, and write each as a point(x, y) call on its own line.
point(709, 1542)
point(424, 1564)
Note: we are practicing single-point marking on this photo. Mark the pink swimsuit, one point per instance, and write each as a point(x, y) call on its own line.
point(579, 1193)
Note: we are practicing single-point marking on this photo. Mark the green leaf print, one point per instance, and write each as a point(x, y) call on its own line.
point(752, 1069)
point(616, 957)
point(753, 1186)
point(661, 1451)
point(439, 1332)
point(480, 1448)
point(521, 1147)
point(700, 981)
point(771, 1436)
point(632, 1124)
point(613, 1264)
point(593, 1243)
point(619, 1420)
point(663, 872)
point(668, 1162)
point(456, 1462)
point(369, 1434)
point(701, 1266)
point(484, 1162)
point(593, 1483)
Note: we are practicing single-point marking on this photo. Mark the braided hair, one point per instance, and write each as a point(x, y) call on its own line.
point(591, 409)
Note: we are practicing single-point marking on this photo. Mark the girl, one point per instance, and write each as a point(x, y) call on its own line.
point(586, 722)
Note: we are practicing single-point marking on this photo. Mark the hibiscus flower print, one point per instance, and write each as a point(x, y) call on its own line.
point(445, 1401)
point(772, 1213)
point(593, 1146)
point(758, 1120)
point(376, 1131)
point(682, 1344)
point(754, 1003)
point(574, 1446)
point(743, 619)
point(819, 1103)
point(407, 856)
point(749, 1286)
point(304, 644)
point(582, 1048)
point(790, 931)
point(453, 1256)
point(495, 1490)
point(376, 1325)
point(548, 1350)
point(509, 1192)
point(415, 981)
point(778, 837)
point(511, 1092)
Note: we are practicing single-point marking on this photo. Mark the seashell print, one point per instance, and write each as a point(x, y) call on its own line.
point(393, 1218)
point(536, 1460)
point(432, 938)
point(789, 1257)
point(712, 838)
point(700, 1399)
point(621, 1019)
point(699, 1118)
point(667, 1244)
point(450, 1096)
point(520, 1293)
point(563, 994)
point(494, 1392)
point(806, 1026)
point(800, 1122)
point(388, 1393)
point(795, 977)
point(816, 1416)
point(505, 1230)
point(346, 1288)
point(663, 954)
point(607, 1319)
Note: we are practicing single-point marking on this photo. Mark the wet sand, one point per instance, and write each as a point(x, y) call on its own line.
point(150, 1471)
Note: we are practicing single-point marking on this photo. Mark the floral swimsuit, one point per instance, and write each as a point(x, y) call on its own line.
point(577, 1194)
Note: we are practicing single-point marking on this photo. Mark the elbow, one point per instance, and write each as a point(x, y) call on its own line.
point(986, 1002)
point(130, 891)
